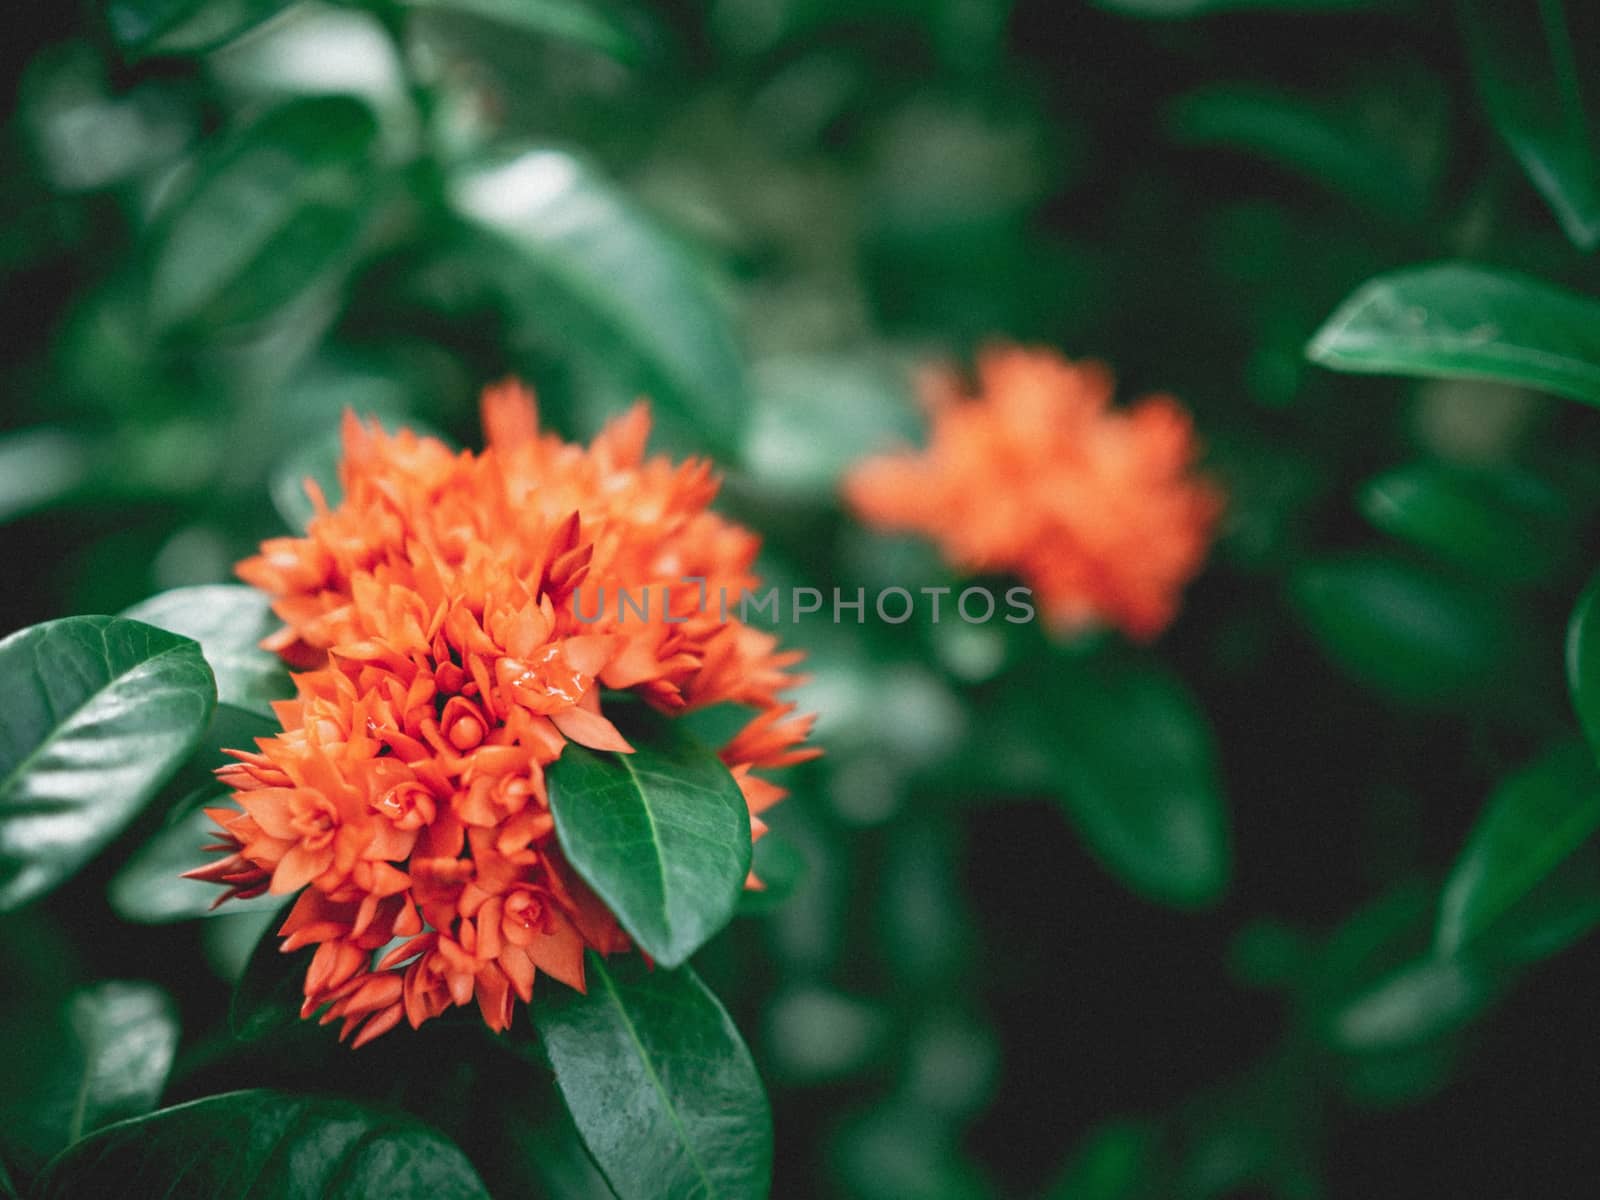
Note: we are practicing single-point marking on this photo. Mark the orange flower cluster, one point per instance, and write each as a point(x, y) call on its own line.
point(436, 610)
point(1098, 510)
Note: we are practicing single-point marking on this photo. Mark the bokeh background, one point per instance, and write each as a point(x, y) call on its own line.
point(226, 221)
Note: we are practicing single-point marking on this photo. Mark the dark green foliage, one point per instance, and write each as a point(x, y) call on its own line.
point(658, 1082)
point(99, 711)
point(261, 1143)
point(1462, 322)
point(661, 834)
point(1297, 901)
point(101, 1054)
point(229, 622)
point(1132, 762)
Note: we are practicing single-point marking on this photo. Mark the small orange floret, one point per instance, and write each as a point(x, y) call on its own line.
point(450, 662)
point(1099, 510)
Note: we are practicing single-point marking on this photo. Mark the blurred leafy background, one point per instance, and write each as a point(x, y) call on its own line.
point(1063, 925)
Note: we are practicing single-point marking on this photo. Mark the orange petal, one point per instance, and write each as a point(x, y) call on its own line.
point(299, 867)
point(591, 730)
point(510, 415)
point(559, 954)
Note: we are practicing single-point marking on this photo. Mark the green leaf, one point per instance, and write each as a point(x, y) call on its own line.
point(1319, 141)
point(43, 969)
point(1423, 1000)
point(662, 835)
point(1505, 525)
point(1131, 758)
point(1381, 999)
point(150, 889)
point(230, 728)
point(127, 1034)
point(1456, 321)
point(1527, 70)
point(1557, 912)
point(658, 1081)
point(569, 20)
point(1381, 937)
point(583, 255)
point(102, 1057)
point(1534, 820)
point(229, 621)
point(229, 939)
point(265, 1143)
point(267, 997)
point(1417, 636)
point(99, 711)
point(1583, 661)
point(145, 27)
point(278, 209)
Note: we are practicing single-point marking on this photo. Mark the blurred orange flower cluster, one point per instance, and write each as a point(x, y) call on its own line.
point(1099, 510)
point(448, 666)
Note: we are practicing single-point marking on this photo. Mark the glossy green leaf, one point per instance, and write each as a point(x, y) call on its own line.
point(1317, 140)
point(586, 258)
point(1131, 759)
point(150, 889)
point(102, 1057)
point(524, 1142)
point(99, 712)
point(1583, 661)
point(662, 835)
point(1538, 82)
point(229, 621)
point(1503, 525)
point(1457, 321)
point(658, 1082)
point(1419, 637)
point(265, 1143)
point(145, 27)
point(1534, 820)
point(569, 20)
point(276, 210)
